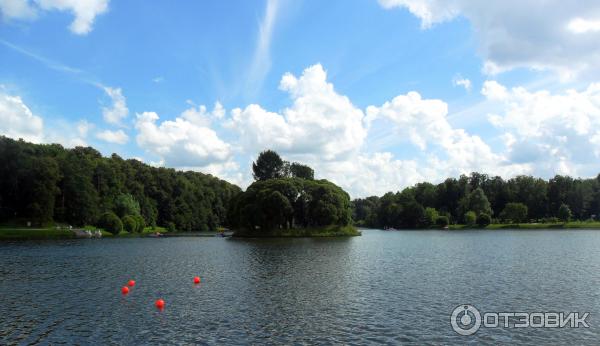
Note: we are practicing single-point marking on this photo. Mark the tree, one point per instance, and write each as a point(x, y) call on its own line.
point(477, 202)
point(442, 221)
point(140, 223)
point(483, 220)
point(125, 204)
point(129, 224)
point(111, 223)
point(514, 212)
point(298, 170)
point(564, 213)
point(470, 218)
point(431, 216)
point(269, 165)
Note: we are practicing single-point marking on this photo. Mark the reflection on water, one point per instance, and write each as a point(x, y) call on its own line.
point(383, 287)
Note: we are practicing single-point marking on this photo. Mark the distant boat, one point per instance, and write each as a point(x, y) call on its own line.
point(155, 235)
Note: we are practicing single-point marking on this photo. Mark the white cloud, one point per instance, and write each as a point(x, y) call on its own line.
point(200, 116)
point(18, 9)
point(116, 137)
point(118, 110)
point(494, 90)
point(547, 37)
point(17, 120)
point(551, 132)
point(181, 142)
point(582, 26)
point(261, 61)
point(463, 82)
point(319, 122)
point(424, 123)
point(85, 11)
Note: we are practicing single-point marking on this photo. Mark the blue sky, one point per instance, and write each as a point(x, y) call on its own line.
point(376, 95)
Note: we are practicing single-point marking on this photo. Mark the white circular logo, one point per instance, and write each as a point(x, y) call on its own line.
point(465, 319)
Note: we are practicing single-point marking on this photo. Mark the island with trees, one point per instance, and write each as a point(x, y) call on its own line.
point(286, 201)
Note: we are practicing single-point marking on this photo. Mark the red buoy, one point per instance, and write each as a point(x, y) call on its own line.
point(131, 283)
point(196, 280)
point(160, 304)
point(124, 290)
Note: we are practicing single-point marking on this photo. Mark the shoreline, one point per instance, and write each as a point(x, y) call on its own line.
point(17, 233)
point(316, 232)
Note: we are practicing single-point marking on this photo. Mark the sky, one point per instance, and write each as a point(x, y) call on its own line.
point(375, 95)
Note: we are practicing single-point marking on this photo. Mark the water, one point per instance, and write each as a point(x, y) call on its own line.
point(383, 287)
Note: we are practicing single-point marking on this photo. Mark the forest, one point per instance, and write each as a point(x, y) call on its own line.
point(479, 199)
point(46, 183)
point(43, 184)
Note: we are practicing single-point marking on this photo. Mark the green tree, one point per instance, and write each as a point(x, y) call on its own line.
point(110, 222)
point(564, 213)
point(470, 218)
point(125, 204)
point(269, 165)
point(514, 212)
point(477, 202)
point(442, 221)
point(129, 223)
point(298, 170)
point(431, 216)
point(140, 223)
point(483, 220)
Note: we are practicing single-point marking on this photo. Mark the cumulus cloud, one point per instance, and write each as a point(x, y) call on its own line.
point(183, 142)
point(85, 11)
point(550, 36)
point(494, 90)
point(116, 137)
point(16, 9)
point(118, 110)
point(17, 120)
point(319, 122)
point(424, 124)
point(552, 132)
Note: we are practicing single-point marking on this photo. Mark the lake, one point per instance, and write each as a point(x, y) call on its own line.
point(382, 288)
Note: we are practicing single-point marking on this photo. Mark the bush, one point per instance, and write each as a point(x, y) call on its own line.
point(430, 217)
point(470, 218)
point(170, 227)
point(442, 221)
point(130, 223)
point(141, 223)
point(110, 222)
point(514, 212)
point(564, 213)
point(483, 220)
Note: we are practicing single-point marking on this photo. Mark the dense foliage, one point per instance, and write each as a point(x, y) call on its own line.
point(45, 183)
point(283, 200)
point(466, 199)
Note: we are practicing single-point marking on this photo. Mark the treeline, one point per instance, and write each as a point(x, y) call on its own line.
point(44, 183)
point(285, 195)
point(482, 199)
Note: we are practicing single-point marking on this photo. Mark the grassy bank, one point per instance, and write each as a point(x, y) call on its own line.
point(328, 231)
point(567, 225)
point(21, 233)
point(34, 234)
